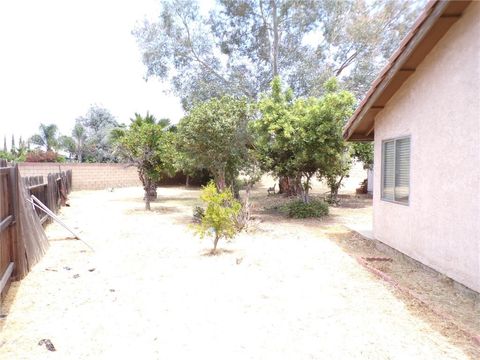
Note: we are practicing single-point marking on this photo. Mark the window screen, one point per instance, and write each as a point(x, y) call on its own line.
point(396, 170)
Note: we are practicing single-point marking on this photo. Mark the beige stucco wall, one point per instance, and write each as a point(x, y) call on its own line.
point(439, 107)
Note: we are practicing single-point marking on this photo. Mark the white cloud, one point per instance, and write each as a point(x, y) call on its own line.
point(60, 56)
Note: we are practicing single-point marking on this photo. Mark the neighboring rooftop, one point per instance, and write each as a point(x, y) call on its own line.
point(429, 28)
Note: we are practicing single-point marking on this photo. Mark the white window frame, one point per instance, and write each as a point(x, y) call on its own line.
point(406, 203)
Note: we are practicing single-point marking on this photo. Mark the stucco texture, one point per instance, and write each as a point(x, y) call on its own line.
point(439, 108)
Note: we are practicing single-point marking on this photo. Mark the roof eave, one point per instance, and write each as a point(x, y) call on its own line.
point(395, 72)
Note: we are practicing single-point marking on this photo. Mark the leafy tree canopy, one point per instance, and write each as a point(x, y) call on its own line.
point(47, 137)
point(149, 146)
point(243, 44)
point(214, 136)
point(303, 137)
point(92, 135)
point(363, 151)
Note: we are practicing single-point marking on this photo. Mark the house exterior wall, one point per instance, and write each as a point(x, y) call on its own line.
point(439, 108)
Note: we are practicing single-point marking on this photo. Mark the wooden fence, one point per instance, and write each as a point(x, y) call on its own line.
point(52, 192)
point(8, 231)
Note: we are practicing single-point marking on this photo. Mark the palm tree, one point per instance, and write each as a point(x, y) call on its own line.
point(46, 137)
point(79, 135)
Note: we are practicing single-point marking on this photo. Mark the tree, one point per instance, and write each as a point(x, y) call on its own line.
point(214, 136)
point(243, 44)
point(300, 138)
point(359, 37)
point(337, 172)
point(92, 134)
point(79, 137)
point(5, 144)
point(68, 144)
point(13, 148)
point(273, 134)
point(363, 151)
point(219, 218)
point(150, 147)
point(318, 141)
point(47, 137)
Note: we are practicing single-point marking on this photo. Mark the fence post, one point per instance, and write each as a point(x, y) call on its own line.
point(50, 195)
point(15, 227)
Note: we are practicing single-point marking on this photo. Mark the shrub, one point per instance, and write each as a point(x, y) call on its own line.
point(219, 218)
point(44, 156)
point(300, 210)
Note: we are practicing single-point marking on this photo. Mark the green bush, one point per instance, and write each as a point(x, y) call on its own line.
point(300, 210)
point(219, 218)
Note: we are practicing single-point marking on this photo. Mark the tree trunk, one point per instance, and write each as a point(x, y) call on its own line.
point(276, 37)
point(288, 185)
point(245, 212)
point(306, 189)
point(187, 181)
point(283, 185)
point(221, 184)
point(215, 242)
point(147, 201)
point(147, 187)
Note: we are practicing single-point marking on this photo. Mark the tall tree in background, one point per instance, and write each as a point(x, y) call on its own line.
point(243, 44)
point(79, 137)
point(66, 143)
point(94, 140)
point(46, 137)
point(5, 144)
point(13, 148)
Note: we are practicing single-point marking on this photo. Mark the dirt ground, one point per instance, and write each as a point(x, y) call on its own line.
point(287, 289)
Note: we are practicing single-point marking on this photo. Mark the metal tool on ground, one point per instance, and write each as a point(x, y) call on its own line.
point(37, 203)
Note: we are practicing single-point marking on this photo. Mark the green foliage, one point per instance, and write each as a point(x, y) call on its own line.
point(219, 218)
point(302, 137)
point(240, 46)
point(300, 210)
point(363, 151)
point(47, 137)
point(6, 155)
point(150, 147)
point(275, 129)
point(214, 136)
point(92, 134)
point(67, 143)
point(79, 137)
point(337, 172)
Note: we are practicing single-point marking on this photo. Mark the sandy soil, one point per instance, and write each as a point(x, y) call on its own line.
point(285, 290)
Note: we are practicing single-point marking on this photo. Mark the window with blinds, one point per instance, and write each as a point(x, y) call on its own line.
point(396, 170)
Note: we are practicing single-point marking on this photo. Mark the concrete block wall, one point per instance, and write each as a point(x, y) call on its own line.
point(87, 176)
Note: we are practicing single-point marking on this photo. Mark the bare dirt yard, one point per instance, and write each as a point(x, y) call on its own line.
point(286, 289)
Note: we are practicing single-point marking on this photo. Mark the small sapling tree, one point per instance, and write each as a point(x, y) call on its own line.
point(219, 218)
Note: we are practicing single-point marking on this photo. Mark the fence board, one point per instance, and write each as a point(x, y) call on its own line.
point(13, 229)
